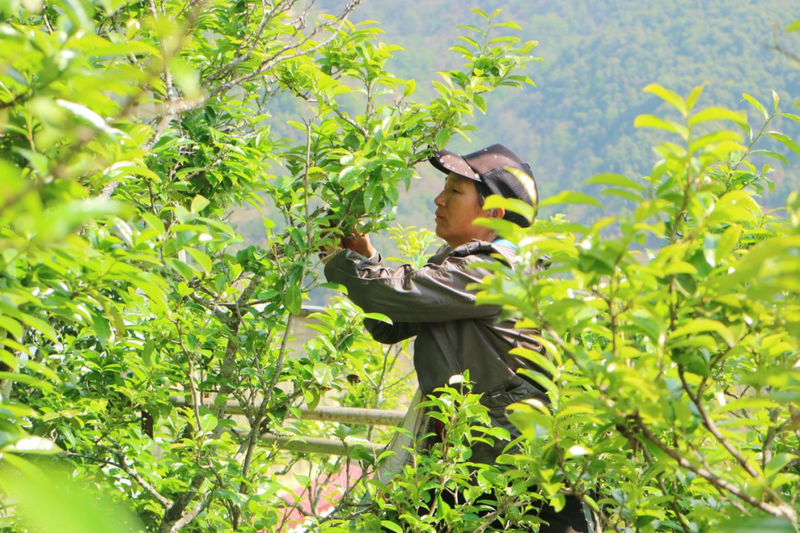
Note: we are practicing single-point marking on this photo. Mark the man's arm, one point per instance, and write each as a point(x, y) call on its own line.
point(389, 333)
point(434, 293)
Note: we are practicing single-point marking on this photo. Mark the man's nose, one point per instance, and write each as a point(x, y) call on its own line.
point(439, 200)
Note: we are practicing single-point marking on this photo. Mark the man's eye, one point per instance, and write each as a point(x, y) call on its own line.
point(456, 190)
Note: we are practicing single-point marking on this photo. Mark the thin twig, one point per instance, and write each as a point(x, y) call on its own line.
point(278, 58)
point(782, 510)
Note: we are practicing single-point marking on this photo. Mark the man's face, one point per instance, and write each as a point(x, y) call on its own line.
point(456, 207)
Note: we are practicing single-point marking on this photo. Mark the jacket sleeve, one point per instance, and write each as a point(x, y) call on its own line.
point(434, 293)
point(389, 333)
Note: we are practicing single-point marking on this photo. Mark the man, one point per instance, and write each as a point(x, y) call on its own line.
point(453, 335)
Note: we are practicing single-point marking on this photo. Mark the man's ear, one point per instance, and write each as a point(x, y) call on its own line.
point(497, 212)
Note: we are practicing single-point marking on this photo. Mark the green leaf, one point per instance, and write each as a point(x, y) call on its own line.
point(208, 422)
point(39, 325)
point(758, 404)
point(773, 155)
point(185, 270)
point(729, 240)
point(88, 116)
point(155, 294)
point(790, 116)
point(679, 267)
point(512, 25)
point(12, 326)
point(668, 96)
point(442, 138)
point(785, 140)
point(202, 259)
point(147, 353)
point(652, 121)
point(199, 203)
point(219, 225)
point(34, 445)
point(379, 317)
point(479, 12)
point(76, 13)
point(571, 197)
point(101, 328)
point(794, 26)
point(759, 107)
point(322, 373)
point(411, 86)
point(155, 223)
point(778, 463)
point(26, 379)
point(511, 204)
point(546, 383)
point(717, 113)
point(618, 180)
point(713, 137)
point(293, 300)
point(543, 362)
point(694, 96)
point(558, 501)
point(391, 526)
point(702, 325)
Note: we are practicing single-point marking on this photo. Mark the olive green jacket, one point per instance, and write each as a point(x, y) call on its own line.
point(434, 303)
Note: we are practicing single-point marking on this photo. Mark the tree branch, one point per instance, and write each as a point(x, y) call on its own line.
point(141, 481)
point(278, 58)
point(782, 510)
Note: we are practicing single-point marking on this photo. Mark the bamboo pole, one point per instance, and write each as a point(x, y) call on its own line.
point(318, 445)
point(342, 415)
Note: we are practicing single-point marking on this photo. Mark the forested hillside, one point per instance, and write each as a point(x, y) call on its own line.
point(597, 57)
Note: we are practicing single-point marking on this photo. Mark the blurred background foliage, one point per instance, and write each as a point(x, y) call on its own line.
point(597, 56)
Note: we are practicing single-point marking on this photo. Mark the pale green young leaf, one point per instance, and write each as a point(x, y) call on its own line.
point(703, 325)
point(39, 325)
point(199, 203)
point(510, 204)
point(570, 197)
point(537, 358)
point(790, 116)
point(672, 98)
point(785, 140)
point(717, 113)
point(793, 26)
point(512, 25)
point(694, 96)
point(410, 88)
point(102, 328)
point(479, 12)
point(772, 154)
point(202, 259)
point(652, 121)
point(755, 103)
point(713, 137)
point(379, 317)
point(185, 270)
point(12, 326)
point(609, 178)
